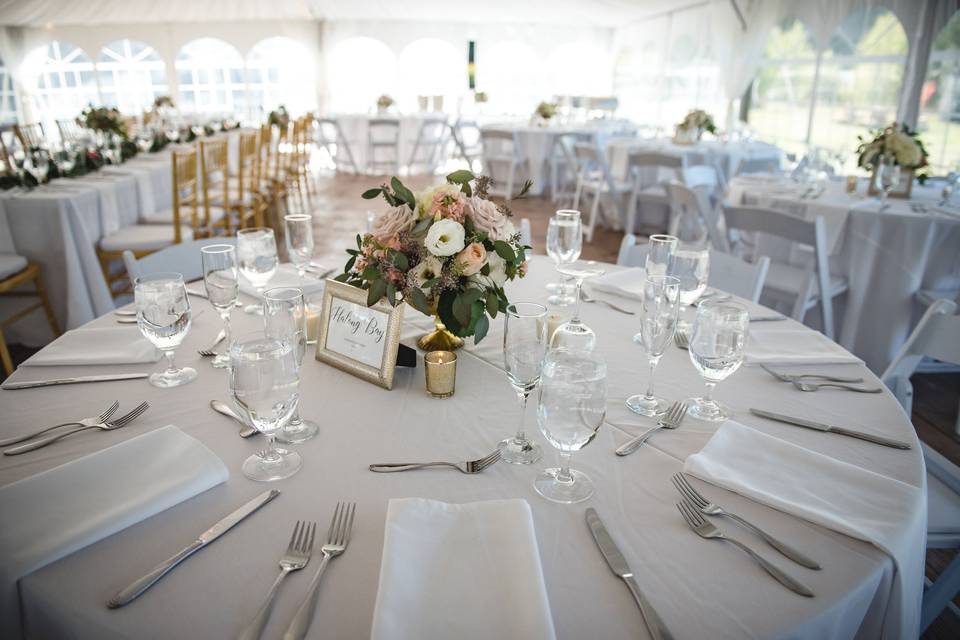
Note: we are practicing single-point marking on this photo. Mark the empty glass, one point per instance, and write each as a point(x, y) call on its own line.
point(658, 321)
point(221, 280)
point(163, 315)
point(573, 403)
point(284, 318)
point(564, 243)
point(299, 240)
point(265, 383)
point(524, 343)
point(257, 252)
point(716, 350)
point(691, 266)
point(886, 178)
point(660, 252)
point(574, 334)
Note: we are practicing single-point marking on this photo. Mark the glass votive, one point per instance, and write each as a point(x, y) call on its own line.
point(851, 184)
point(554, 320)
point(312, 310)
point(440, 369)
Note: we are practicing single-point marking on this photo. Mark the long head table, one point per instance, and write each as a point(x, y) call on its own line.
point(700, 588)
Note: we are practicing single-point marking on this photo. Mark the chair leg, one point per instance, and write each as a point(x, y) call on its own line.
point(47, 309)
point(5, 355)
point(592, 220)
point(509, 194)
point(940, 593)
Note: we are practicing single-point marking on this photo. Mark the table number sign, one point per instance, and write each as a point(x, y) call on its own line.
point(358, 339)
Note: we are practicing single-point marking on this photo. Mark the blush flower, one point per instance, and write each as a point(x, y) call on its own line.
point(472, 258)
point(487, 218)
point(393, 222)
point(448, 204)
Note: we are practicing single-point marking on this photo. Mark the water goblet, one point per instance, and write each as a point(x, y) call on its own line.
point(574, 334)
point(524, 343)
point(299, 240)
point(265, 384)
point(222, 283)
point(564, 243)
point(573, 403)
point(887, 177)
point(163, 315)
point(661, 296)
point(691, 266)
point(716, 350)
point(257, 252)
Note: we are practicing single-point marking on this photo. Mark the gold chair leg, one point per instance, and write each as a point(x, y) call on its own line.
point(47, 309)
point(5, 354)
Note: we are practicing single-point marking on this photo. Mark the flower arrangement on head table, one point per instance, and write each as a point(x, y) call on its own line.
point(447, 251)
point(897, 142)
point(698, 120)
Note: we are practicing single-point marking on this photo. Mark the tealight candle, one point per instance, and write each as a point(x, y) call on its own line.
point(313, 323)
point(851, 184)
point(440, 368)
point(553, 321)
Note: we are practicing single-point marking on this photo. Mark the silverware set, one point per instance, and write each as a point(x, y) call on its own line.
point(669, 420)
point(585, 297)
point(809, 381)
point(101, 422)
point(468, 467)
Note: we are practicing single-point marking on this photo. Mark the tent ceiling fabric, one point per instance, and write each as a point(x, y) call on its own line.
point(608, 13)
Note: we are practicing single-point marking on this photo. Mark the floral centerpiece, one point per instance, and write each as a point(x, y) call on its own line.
point(900, 145)
point(546, 110)
point(163, 102)
point(279, 117)
point(693, 125)
point(105, 119)
point(446, 251)
point(384, 102)
point(480, 97)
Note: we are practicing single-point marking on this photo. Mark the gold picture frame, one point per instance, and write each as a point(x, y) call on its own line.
point(901, 190)
point(362, 340)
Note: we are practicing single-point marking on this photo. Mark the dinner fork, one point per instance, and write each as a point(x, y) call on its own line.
point(122, 421)
point(681, 339)
point(337, 538)
point(78, 423)
point(816, 386)
point(712, 509)
point(586, 298)
point(670, 420)
point(705, 529)
point(209, 351)
point(793, 377)
point(295, 558)
point(470, 466)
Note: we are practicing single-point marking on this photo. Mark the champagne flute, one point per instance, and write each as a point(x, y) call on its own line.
point(574, 334)
point(257, 251)
point(524, 343)
point(284, 318)
point(691, 266)
point(573, 403)
point(265, 384)
point(299, 240)
point(163, 315)
point(661, 296)
point(660, 253)
point(221, 281)
point(717, 350)
point(564, 243)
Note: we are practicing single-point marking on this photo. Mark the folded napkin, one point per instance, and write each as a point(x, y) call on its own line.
point(625, 282)
point(460, 571)
point(96, 345)
point(286, 276)
point(775, 345)
point(885, 512)
point(57, 512)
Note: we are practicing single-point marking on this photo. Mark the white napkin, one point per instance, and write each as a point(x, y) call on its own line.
point(773, 345)
point(625, 282)
point(460, 571)
point(861, 504)
point(96, 345)
point(57, 512)
point(286, 276)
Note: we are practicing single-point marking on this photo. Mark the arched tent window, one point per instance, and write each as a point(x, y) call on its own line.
point(861, 75)
point(508, 72)
point(280, 71)
point(359, 70)
point(780, 94)
point(431, 67)
point(940, 100)
point(572, 70)
point(64, 83)
point(8, 100)
point(210, 74)
point(131, 75)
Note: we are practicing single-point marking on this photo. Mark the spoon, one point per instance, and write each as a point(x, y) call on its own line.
point(224, 408)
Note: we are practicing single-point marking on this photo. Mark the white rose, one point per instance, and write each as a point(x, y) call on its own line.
point(498, 268)
point(445, 238)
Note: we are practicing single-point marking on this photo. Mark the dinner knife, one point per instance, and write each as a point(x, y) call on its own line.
point(136, 589)
point(829, 428)
point(75, 380)
point(619, 566)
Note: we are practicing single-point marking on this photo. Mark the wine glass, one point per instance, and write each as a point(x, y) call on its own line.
point(564, 242)
point(257, 251)
point(265, 383)
point(659, 253)
point(887, 177)
point(163, 315)
point(691, 266)
point(221, 280)
point(573, 403)
point(574, 334)
point(524, 343)
point(284, 318)
point(716, 350)
point(299, 240)
point(661, 296)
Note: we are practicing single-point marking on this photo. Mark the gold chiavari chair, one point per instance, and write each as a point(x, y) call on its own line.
point(249, 204)
point(29, 135)
point(15, 273)
point(275, 172)
point(214, 171)
point(309, 136)
point(69, 130)
point(291, 160)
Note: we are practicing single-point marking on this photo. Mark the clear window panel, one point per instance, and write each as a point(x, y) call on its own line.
point(939, 123)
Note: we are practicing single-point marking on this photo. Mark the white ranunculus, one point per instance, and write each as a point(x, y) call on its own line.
point(445, 238)
point(427, 269)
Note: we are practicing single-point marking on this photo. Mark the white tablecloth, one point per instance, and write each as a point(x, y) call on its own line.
point(702, 589)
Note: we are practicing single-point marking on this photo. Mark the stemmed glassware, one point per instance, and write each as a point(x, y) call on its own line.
point(284, 318)
point(887, 177)
point(163, 315)
point(265, 383)
point(573, 403)
point(574, 334)
point(564, 243)
point(299, 240)
point(691, 266)
point(660, 253)
point(716, 350)
point(39, 165)
point(257, 251)
point(221, 280)
point(661, 295)
point(524, 343)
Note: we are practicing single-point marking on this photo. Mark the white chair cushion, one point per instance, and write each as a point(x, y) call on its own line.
point(166, 216)
point(943, 507)
point(11, 263)
point(790, 279)
point(143, 237)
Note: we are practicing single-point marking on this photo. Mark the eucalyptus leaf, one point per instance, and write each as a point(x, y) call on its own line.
point(403, 193)
point(392, 294)
point(400, 261)
point(462, 309)
point(460, 176)
point(376, 291)
point(504, 250)
point(480, 329)
point(418, 300)
point(492, 304)
point(370, 194)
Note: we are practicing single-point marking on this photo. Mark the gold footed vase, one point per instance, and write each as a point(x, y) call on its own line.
point(439, 339)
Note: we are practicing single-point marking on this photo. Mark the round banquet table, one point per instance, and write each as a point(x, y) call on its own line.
point(700, 588)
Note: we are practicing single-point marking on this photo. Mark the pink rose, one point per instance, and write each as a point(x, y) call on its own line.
point(448, 204)
point(487, 218)
point(393, 222)
point(472, 258)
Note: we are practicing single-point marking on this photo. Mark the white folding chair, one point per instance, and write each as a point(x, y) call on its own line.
point(467, 141)
point(643, 169)
point(427, 149)
point(564, 168)
point(688, 205)
point(526, 235)
point(501, 155)
point(383, 137)
point(805, 285)
point(727, 272)
point(330, 137)
point(595, 178)
point(183, 258)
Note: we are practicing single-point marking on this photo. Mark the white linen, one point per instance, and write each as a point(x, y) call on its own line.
point(776, 345)
point(624, 282)
point(460, 571)
point(147, 474)
point(92, 346)
point(286, 276)
point(834, 494)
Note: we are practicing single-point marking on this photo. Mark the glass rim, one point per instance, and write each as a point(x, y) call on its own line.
point(567, 213)
point(239, 343)
point(728, 305)
point(516, 313)
point(217, 248)
point(156, 277)
point(251, 230)
point(664, 238)
point(298, 217)
point(276, 293)
point(663, 280)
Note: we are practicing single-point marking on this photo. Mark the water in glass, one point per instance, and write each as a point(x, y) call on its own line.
point(221, 281)
point(524, 343)
point(564, 243)
point(716, 351)
point(257, 253)
point(163, 315)
point(658, 323)
point(299, 240)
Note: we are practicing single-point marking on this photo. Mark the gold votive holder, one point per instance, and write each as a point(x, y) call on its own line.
point(851, 184)
point(440, 369)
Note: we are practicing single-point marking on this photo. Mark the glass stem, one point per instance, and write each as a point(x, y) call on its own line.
point(271, 455)
point(576, 308)
point(563, 473)
point(521, 436)
point(170, 355)
point(653, 367)
point(709, 396)
point(225, 314)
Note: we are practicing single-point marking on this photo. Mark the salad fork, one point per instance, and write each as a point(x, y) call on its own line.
point(209, 351)
point(670, 420)
point(816, 386)
point(122, 421)
point(793, 377)
point(84, 422)
point(470, 466)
